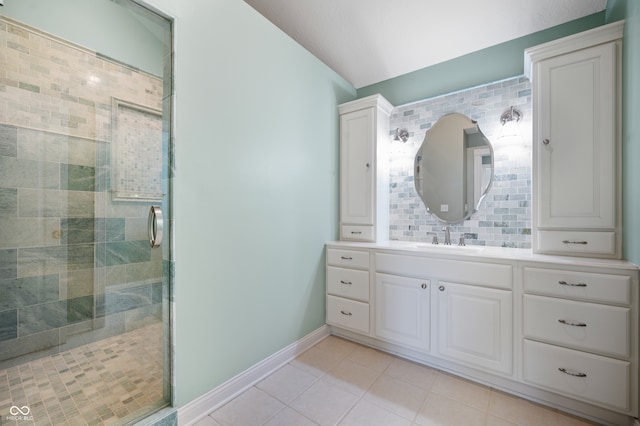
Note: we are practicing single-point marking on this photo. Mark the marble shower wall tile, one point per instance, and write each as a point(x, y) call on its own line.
point(8, 141)
point(8, 202)
point(8, 324)
point(20, 292)
point(8, 264)
point(57, 218)
point(19, 173)
point(29, 232)
point(47, 316)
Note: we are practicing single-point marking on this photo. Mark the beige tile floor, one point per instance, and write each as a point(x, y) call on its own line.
point(338, 382)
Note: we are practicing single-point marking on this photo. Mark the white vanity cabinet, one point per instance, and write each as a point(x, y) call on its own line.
point(364, 169)
point(563, 331)
point(577, 329)
point(348, 289)
point(576, 91)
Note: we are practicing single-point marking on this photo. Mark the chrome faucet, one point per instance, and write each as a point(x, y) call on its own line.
point(447, 236)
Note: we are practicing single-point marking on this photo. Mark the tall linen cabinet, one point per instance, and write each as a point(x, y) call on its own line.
point(364, 169)
point(576, 94)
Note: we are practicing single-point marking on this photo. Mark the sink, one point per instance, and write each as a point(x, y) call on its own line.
point(452, 248)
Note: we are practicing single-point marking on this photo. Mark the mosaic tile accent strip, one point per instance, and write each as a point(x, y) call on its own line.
point(115, 380)
point(504, 218)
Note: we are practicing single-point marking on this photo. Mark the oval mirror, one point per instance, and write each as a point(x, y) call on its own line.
point(453, 169)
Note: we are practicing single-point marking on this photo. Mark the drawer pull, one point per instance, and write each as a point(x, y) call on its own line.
point(346, 257)
point(573, 373)
point(346, 313)
point(575, 242)
point(345, 282)
point(360, 232)
point(574, 324)
point(572, 284)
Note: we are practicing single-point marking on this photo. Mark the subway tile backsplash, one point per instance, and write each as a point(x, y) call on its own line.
point(504, 217)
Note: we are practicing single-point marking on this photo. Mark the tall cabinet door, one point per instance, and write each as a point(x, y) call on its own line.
point(576, 92)
point(576, 162)
point(356, 167)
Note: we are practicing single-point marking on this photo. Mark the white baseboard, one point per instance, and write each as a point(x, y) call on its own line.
point(200, 407)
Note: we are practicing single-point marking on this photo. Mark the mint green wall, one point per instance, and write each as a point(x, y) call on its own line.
point(494, 63)
point(255, 190)
point(116, 31)
point(630, 12)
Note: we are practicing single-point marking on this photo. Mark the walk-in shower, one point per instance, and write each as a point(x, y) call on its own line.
point(85, 135)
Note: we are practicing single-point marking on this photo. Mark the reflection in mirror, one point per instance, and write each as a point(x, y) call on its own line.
point(453, 168)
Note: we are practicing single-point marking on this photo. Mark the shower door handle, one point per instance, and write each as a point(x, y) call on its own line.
point(155, 226)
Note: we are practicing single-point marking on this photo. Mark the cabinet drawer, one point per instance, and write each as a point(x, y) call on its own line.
point(357, 232)
point(581, 325)
point(578, 285)
point(484, 274)
point(348, 314)
point(597, 379)
point(348, 258)
point(576, 242)
point(349, 283)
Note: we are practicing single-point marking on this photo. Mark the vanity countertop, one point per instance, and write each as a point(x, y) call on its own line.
point(473, 252)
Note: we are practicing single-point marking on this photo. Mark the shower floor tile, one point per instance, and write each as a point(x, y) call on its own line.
point(111, 381)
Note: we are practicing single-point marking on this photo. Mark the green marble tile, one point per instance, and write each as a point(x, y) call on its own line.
point(18, 173)
point(8, 325)
point(8, 141)
point(119, 253)
point(8, 202)
point(79, 309)
point(42, 317)
point(41, 202)
point(42, 146)
point(8, 264)
point(22, 292)
point(77, 230)
point(126, 299)
point(77, 178)
point(53, 260)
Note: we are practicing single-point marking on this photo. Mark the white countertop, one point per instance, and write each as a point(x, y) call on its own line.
point(473, 252)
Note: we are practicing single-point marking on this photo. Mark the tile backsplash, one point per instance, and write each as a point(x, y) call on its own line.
point(504, 217)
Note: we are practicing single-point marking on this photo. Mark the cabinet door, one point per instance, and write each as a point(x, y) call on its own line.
point(475, 326)
point(402, 310)
point(356, 167)
point(576, 147)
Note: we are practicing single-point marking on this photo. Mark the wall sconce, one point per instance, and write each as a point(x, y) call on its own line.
point(510, 136)
point(401, 135)
point(509, 120)
point(510, 115)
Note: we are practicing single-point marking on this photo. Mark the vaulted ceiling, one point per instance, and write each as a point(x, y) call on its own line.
point(368, 41)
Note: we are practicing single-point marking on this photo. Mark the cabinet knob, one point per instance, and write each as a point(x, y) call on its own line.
point(441, 288)
point(545, 141)
point(368, 165)
point(423, 286)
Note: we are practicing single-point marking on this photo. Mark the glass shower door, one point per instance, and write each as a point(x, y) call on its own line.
point(85, 106)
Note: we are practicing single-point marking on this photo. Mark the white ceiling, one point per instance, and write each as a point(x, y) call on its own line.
point(368, 41)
